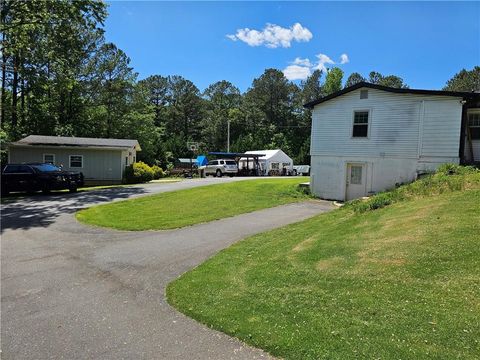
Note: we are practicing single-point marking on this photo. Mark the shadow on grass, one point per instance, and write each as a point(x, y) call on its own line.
point(40, 210)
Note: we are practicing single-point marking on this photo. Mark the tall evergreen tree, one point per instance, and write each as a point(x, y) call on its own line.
point(465, 80)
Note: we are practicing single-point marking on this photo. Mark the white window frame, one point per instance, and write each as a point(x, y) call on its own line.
point(70, 162)
point(363, 91)
point(54, 159)
point(369, 123)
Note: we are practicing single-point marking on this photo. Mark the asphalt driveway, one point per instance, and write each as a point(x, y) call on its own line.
point(71, 291)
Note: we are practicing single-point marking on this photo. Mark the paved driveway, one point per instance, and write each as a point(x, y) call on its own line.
point(75, 292)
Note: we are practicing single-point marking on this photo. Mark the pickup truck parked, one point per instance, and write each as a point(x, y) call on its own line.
point(38, 177)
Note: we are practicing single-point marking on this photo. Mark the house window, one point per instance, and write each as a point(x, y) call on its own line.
point(49, 158)
point(474, 125)
point(356, 175)
point(76, 161)
point(275, 166)
point(363, 94)
point(360, 124)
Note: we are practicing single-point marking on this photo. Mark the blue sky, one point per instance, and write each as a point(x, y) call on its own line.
point(425, 43)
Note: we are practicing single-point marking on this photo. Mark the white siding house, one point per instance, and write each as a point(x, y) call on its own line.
point(368, 138)
point(102, 161)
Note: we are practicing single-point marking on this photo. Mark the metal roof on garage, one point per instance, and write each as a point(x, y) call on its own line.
point(37, 140)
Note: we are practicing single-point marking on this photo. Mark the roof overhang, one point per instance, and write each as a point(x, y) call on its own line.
point(62, 146)
point(234, 155)
point(464, 95)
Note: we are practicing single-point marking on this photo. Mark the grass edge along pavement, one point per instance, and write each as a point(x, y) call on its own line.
point(175, 209)
point(12, 197)
point(400, 281)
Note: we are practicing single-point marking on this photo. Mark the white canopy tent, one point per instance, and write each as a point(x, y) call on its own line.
point(273, 161)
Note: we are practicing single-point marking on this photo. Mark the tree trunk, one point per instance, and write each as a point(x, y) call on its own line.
point(22, 102)
point(4, 81)
point(4, 74)
point(14, 94)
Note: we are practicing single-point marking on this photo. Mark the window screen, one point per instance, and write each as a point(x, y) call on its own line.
point(356, 174)
point(76, 161)
point(49, 158)
point(474, 125)
point(360, 124)
point(363, 94)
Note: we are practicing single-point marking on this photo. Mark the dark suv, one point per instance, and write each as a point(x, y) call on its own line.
point(39, 177)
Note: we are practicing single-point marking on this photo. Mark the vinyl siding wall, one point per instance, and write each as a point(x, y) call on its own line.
point(408, 134)
point(98, 165)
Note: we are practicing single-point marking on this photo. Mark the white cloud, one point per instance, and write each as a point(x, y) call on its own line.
point(272, 36)
point(300, 61)
point(344, 59)
point(322, 60)
point(300, 69)
point(297, 72)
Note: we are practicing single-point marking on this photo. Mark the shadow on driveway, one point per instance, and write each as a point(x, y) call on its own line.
point(41, 210)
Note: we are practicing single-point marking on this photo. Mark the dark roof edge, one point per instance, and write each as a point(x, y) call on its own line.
point(359, 85)
point(25, 144)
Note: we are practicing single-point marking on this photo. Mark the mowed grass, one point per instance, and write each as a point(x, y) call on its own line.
point(401, 282)
point(187, 207)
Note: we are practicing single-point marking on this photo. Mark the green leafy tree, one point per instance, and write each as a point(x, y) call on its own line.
point(110, 88)
point(222, 98)
point(270, 101)
point(389, 80)
point(333, 81)
point(311, 88)
point(465, 80)
point(353, 79)
point(44, 44)
point(156, 89)
point(185, 111)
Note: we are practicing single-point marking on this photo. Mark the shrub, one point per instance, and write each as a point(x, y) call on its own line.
point(138, 172)
point(158, 172)
point(454, 169)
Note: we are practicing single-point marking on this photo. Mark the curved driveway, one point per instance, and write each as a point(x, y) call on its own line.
point(71, 291)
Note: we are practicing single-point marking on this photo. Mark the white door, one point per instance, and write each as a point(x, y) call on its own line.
point(356, 181)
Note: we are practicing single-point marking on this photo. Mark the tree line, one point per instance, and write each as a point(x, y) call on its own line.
point(61, 77)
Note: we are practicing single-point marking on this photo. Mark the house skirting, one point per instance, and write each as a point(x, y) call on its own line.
point(328, 177)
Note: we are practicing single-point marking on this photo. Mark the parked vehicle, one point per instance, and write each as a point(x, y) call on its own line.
point(221, 167)
point(301, 170)
point(39, 177)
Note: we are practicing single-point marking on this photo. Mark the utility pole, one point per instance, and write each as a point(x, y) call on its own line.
point(228, 136)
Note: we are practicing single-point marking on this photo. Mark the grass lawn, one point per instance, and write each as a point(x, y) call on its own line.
point(401, 282)
point(187, 207)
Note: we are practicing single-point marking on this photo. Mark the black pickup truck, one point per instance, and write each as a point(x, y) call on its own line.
point(38, 177)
